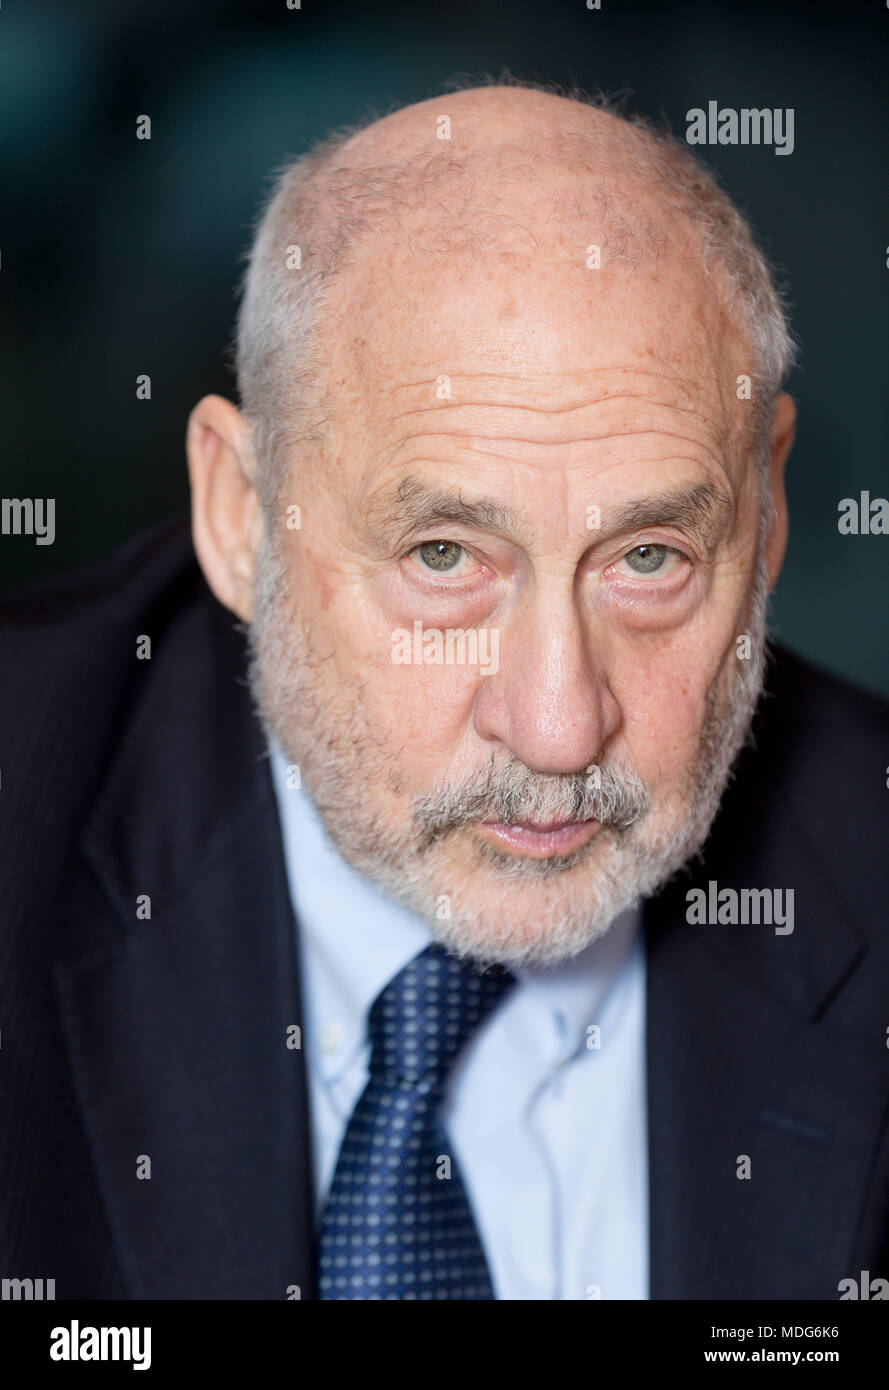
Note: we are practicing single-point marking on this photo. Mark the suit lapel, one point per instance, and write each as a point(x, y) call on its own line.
point(743, 1060)
point(177, 1025)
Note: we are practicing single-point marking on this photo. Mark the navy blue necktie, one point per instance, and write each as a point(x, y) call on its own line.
point(398, 1224)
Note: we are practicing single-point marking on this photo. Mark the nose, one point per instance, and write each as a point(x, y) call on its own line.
point(549, 702)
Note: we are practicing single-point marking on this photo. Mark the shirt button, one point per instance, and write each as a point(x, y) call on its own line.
point(330, 1038)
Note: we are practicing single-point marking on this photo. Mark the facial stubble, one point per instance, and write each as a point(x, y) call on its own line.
point(477, 900)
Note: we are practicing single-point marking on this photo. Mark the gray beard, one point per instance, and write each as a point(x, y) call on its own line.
point(325, 733)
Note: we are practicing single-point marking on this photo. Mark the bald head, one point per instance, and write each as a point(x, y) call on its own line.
point(492, 171)
point(490, 177)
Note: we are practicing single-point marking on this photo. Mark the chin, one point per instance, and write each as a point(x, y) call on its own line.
point(515, 910)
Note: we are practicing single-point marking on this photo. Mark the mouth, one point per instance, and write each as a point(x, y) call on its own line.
point(540, 841)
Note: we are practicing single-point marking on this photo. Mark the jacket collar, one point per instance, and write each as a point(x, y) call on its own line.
point(743, 1063)
point(180, 1026)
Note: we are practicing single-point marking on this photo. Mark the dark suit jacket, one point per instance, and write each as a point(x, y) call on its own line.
point(124, 1037)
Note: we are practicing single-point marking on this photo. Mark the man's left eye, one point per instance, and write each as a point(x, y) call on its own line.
point(439, 557)
point(651, 559)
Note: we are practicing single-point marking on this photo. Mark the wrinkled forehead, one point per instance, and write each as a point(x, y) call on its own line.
point(551, 313)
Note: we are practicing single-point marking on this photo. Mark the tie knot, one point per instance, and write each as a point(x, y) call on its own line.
point(428, 1012)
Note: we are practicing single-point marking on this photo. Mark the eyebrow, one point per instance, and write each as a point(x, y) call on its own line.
point(704, 509)
point(415, 506)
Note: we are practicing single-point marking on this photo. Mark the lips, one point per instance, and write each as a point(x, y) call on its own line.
point(541, 826)
point(540, 840)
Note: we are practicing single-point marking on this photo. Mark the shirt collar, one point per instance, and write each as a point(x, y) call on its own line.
point(354, 940)
point(574, 990)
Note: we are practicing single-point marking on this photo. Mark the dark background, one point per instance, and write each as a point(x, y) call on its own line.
point(121, 256)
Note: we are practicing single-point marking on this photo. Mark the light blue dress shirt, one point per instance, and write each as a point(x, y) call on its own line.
point(549, 1128)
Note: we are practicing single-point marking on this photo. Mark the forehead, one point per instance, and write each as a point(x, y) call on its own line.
point(504, 312)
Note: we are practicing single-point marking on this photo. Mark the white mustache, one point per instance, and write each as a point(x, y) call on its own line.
point(514, 795)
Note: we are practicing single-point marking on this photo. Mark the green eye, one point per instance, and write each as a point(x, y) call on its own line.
point(440, 555)
point(646, 559)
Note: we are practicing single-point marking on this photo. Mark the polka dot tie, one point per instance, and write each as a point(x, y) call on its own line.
point(397, 1224)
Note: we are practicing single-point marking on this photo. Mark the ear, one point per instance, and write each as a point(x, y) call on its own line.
point(781, 439)
point(226, 522)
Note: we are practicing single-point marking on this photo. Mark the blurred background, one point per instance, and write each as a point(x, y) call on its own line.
point(120, 256)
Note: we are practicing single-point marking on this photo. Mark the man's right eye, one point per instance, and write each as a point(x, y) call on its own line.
point(442, 557)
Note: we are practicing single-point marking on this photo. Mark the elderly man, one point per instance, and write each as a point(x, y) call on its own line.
point(347, 952)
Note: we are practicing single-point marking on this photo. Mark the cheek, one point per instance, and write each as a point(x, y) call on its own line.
point(663, 698)
point(413, 710)
point(324, 586)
